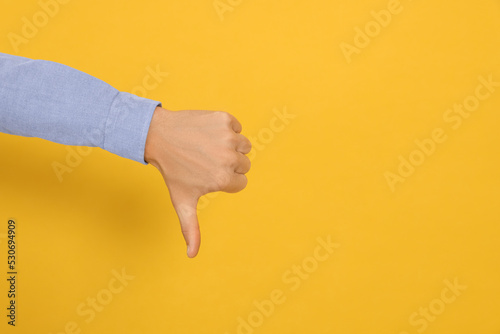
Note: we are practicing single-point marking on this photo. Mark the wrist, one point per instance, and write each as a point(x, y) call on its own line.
point(151, 139)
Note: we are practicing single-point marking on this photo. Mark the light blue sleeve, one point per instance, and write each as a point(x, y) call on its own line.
point(52, 101)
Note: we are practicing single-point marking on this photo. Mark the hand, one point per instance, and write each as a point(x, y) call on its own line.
point(197, 152)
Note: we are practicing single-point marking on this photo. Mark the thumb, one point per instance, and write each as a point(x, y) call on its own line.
point(188, 217)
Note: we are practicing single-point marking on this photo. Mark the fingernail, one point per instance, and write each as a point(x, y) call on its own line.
point(187, 251)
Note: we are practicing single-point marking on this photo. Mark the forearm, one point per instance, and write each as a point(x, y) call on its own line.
point(58, 103)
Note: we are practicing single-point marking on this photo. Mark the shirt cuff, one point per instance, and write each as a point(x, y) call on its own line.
point(127, 126)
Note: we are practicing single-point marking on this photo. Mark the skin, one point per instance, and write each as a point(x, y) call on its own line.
point(197, 152)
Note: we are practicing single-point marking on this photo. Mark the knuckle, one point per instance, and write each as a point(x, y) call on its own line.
point(233, 161)
point(223, 116)
point(230, 137)
point(249, 144)
point(242, 183)
point(222, 180)
point(186, 211)
point(228, 158)
point(249, 163)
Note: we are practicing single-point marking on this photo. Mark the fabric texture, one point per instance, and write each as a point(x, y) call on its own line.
point(48, 100)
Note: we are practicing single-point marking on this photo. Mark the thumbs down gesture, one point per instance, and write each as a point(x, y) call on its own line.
point(197, 152)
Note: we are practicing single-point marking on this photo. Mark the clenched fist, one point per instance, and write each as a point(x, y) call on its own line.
point(197, 152)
